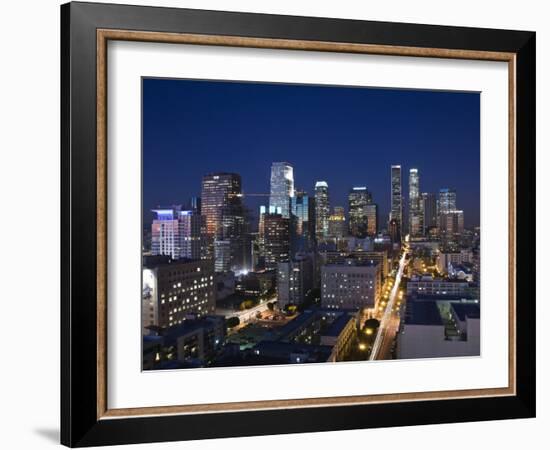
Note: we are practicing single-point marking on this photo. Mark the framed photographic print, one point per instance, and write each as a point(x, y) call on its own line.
point(277, 224)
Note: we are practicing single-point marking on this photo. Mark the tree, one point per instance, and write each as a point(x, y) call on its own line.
point(246, 304)
point(290, 309)
point(271, 306)
point(372, 323)
point(232, 322)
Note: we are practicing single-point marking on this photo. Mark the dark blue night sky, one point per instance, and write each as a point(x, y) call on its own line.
point(347, 136)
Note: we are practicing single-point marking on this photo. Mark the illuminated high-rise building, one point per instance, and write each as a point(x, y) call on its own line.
point(165, 233)
point(302, 212)
point(446, 201)
point(394, 231)
point(429, 209)
point(396, 196)
point(276, 239)
point(451, 225)
point(359, 198)
point(282, 187)
point(322, 209)
point(371, 211)
point(416, 227)
point(222, 255)
point(190, 237)
point(195, 204)
point(221, 195)
point(225, 215)
point(337, 223)
point(176, 233)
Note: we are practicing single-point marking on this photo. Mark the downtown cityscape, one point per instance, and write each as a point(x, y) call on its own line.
point(270, 264)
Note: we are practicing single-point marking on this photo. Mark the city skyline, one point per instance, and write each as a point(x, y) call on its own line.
point(272, 240)
point(175, 182)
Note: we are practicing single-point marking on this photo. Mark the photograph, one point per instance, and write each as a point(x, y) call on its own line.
point(301, 223)
point(283, 223)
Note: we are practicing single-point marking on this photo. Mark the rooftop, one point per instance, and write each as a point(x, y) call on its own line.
point(152, 261)
point(464, 310)
point(338, 325)
point(422, 313)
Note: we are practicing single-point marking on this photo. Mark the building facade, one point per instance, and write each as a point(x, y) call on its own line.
point(322, 210)
point(222, 255)
point(294, 280)
point(175, 289)
point(446, 201)
point(396, 196)
point(358, 200)
point(424, 333)
point(438, 287)
point(451, 225)
point(360, 255)
point(220, 197)
point(394, 231)
point(351, 285)
point(429, 208)
point(371, 211)
point(176, 233)
point(276, 239)
point(302, 210)
point(416, 227)
point(225, 215)
point(281, 187)
point(337, 223)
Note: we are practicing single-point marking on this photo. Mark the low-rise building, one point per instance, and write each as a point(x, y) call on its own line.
point(339, 257)
point(351, 285)
point(459, 257)
point(256, 283)
point(193, 342)
point(426, 332)
point(224, 284)
point(175, 289)
point(324, 328)
point(427, 285)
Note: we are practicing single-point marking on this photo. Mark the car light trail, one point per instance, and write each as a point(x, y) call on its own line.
point(389, 308)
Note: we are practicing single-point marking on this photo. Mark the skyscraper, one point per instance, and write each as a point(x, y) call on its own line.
point(222, 255)
point(303, 221)
point(446, 201)
point(190, 224)
point(396, 196)
point(337, 223)
point(165, 233)
point(282, 187)
point(322, 209)
point(225, 215)
point(430, 210)
point(359, 198)
point(276, 239)
point(176, 233)
point(195, 204)
point(451, 226)
point(371, 211)
point(395, 233)
point(221, 195)
point(416, 227)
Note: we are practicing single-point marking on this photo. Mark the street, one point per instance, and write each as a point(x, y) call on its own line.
point(389, 323)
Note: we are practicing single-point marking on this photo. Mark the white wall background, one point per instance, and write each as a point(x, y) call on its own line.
point(29, 224)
